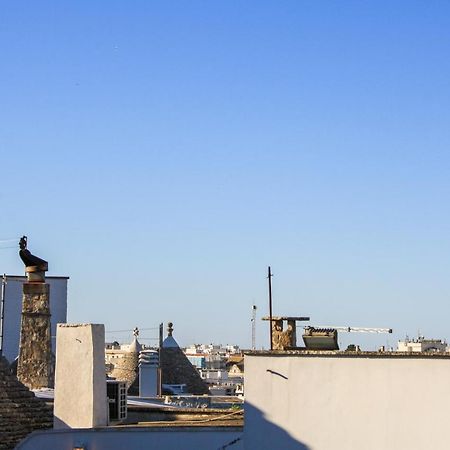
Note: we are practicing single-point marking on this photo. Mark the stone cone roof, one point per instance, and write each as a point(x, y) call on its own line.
point(126, 367)
point(135, 346)
point(170, 342)
point(176, 369)
point(21, 412)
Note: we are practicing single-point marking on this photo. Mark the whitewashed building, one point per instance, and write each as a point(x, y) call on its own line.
point(322, 400)
point(421, 345)
point(302, 400)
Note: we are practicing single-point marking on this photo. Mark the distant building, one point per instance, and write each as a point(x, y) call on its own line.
point(197, 360)
point(212, 349)
point(233, 349)
point(216, 364)
point(422, 345)
point(213, 376)
point(235, 366)
point(12, 311)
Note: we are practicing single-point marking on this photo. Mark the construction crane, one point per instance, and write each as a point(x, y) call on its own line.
point(354, 329)
point(326, 337)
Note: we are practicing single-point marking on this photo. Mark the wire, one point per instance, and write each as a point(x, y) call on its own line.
point(118, 331)
point(7, 240)
point(126, 331)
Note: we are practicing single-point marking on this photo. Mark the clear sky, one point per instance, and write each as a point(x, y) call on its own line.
point(163, 154)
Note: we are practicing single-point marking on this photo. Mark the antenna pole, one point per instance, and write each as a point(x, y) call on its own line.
point(270, 305)
point(254, 327)
point(161, 333)
point(2, 312)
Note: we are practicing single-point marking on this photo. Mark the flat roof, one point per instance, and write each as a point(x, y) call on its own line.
point(296, 318)
point(235, 425)
point(348, 354)
point(23, 277)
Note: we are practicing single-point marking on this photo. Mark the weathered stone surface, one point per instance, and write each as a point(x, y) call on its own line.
point(126, 368)
point(20, 411)
point(176, 369)
point(35, 367)
point(283, 339)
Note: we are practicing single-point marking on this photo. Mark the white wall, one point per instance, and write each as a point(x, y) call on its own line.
point(345, 403)
point(80, 378)
point(148, 380)
point(13, 311)
point(198, 438)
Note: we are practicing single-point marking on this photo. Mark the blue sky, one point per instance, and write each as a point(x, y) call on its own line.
point(163, 154)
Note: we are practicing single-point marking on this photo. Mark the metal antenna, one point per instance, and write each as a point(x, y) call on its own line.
point(254, 327)
point(270, 305)
point(2, 312)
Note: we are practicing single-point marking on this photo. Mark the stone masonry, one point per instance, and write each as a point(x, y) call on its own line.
point(177, 369)
point(35, 367)
point(20, 411)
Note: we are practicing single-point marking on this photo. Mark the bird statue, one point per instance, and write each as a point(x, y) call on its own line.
point(28, 259)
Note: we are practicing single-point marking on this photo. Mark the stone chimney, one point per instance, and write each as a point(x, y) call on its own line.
point(80, 381)
point(35, 366)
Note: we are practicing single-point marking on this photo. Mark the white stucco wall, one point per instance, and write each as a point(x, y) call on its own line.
point(80, 378)
point(137, 438)
point(13, 311)
point(345, 403)
point(148, 380)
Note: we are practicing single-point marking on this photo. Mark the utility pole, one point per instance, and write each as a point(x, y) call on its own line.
point(2, 312)
point(254, 327)
point(270, 305)
point(161, 335)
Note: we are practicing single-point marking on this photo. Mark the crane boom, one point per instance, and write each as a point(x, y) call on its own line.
point(357, 329)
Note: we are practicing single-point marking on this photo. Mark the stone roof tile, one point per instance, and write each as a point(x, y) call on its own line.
point(21, 412)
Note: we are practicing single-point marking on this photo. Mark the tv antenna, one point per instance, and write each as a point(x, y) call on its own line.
point(254, 327)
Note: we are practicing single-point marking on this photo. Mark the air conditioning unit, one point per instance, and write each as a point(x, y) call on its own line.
point(116, 392)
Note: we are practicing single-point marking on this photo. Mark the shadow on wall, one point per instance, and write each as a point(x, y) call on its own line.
point(59, 424)
point(261, 434)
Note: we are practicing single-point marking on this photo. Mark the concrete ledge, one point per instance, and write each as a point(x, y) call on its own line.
point(136, 438)
point(345, 354)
